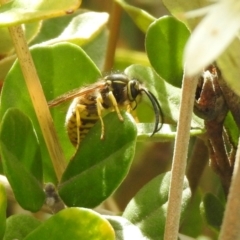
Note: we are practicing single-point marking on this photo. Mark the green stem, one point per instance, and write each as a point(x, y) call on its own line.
point(230, 227)
point(179, 158)
point(38, 100)
point(113, 35)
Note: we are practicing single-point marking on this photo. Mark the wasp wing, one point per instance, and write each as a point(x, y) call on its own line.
point(77, 92)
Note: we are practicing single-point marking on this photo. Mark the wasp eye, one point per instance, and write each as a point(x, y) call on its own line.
point(133, 89)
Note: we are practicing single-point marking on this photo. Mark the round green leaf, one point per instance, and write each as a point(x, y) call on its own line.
point(74, 224)
point(7, 52)
point(3, 209)
point(213, 210)
point(26, 188)
point(99, 166)
point(22, 11)
point(18, 135)
point(126, 57)
point(30, 31)
point(192, 224)
point(83, 28)
point(148, 208)
point(77, 23)
point(21, 159)
point(6, 42)
point(5, 64)
point(61, 68)
point(19, 226)
point(141, 18)
point(165, 41)
point(96, 49)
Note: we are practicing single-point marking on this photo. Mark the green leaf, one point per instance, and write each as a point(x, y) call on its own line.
point(96, 49)
point(169, 99)
point(141, 18)
point(178, 8)
point(126, 57)
point(147, 209)
point(61, 67)
point(229, 63)
point(165, 41)
point(7, 53)
point(3, 210)
point(203, 238)
point(26, 188)
point(74, 224)
point(124, 229)
point(77, 23)
point(167, 133)
point(231, 129)
point(82, 28)
point(99, 166)
point(6, 41)
point(22, 11)
point(18, 135)
point(21, 158)
point(30, 30)
point(192, 223)
point(53, 27)
point(19, 226)
point(212, 211)
point(5, 64)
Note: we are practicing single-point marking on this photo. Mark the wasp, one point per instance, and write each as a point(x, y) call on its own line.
point(113, 92)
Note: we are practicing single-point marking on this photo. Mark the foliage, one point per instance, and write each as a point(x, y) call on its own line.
point(69, 52)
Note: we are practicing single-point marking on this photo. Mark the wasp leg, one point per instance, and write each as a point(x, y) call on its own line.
point(115, 105)
point(79, 109)
point(99, 101)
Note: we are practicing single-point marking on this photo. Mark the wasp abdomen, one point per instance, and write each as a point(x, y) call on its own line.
point(81, 117)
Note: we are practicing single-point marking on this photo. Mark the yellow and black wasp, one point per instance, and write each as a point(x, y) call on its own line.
point(113, 92)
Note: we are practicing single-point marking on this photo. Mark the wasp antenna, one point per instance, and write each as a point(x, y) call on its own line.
point(157, 110)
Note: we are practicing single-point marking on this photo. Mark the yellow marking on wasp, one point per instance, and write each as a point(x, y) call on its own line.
point(115, 105)
point(79, 109)
point(99, 112)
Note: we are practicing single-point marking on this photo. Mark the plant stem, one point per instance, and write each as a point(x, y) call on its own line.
point(38, 99)
point(113, 35)
point(230, 227)
point(179, 158)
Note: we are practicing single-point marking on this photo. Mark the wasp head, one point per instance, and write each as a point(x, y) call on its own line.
point(124, 88)
point(134, 89)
